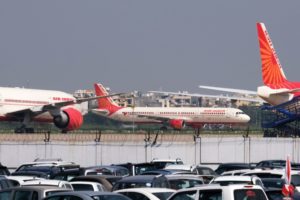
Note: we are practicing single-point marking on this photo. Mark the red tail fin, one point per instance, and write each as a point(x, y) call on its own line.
point(105, 103)
point(272, 72)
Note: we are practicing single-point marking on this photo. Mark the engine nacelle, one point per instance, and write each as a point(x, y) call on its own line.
point(68, 120)
point(177, 124)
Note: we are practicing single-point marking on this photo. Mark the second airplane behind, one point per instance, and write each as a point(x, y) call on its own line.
point(175, 117)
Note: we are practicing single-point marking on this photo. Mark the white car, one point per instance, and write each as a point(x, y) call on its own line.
point(47, 182)
point(277, 173)
point(229, 180)
point(146, 193)
point(20, 180)
point(87, 186)
point(217, 192)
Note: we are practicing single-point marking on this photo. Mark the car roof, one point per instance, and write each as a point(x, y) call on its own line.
point(182, 167)
point(180, 176)
point(85, 182)
point(140, 178)
point(148, 189)
point(87, 193)
point(217, 186)
point(234, 178)
point(39, 188)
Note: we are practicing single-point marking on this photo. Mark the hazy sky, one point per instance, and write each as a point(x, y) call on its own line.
point(143, 45)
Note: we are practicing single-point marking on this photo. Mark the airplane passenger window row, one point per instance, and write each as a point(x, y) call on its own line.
point(25, 101)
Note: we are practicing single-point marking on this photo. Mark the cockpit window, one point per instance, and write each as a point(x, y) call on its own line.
point(239, 113)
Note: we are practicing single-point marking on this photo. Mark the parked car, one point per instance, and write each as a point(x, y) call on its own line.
point(87, 195)
point(29, 192)
point(94, 178)
point(184, 181)
point(229, 180)
point(87, 186)
point(46, 182)
point(147, 193)
point(4, 170)
point(273, 183)
point(224, 167)
point(20, 180)
point(162, 163)
point(159, 181)
point(206, 172)
point(166, 172)
point(107, 170)
point(217, 192)
point(277, 173)
point(271, 164)
point(55, 170)
point(137, 168)
point(5, 183)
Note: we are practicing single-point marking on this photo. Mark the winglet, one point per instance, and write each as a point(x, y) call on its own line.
point(272, 71)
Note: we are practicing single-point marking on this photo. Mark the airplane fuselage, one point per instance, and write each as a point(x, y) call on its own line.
point(190, 115)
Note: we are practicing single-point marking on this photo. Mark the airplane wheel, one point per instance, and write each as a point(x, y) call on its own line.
point(19, 130)
point(29, 130)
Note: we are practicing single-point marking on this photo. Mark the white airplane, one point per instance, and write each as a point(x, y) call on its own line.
point(277, 89)
point(28, 105)
point(227, 97)
point(175, 117)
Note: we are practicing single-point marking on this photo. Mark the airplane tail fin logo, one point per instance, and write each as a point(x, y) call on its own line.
point(105, 103)
point(272, 71)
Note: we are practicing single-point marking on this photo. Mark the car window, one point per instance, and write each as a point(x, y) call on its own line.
point(109, 197)
point(22, 195)
point(249, 194)
point(162, 195)
point(186, 195)
point(210, 195)
point(5, 195)
point(135, 195)
point(64, 197)
point(295, 180)
point(83, 187)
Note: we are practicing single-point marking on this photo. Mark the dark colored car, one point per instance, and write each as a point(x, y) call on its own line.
point(159, 181)
point(5, 183)
point(274, 194)
point(166, 172)
point(4, 170)
point(273, 183)
point(107, 170)
point(184, 181)
point(224, 167)
point(138, 168)
point(49, 172)
point(271, 164)
point(87, 195)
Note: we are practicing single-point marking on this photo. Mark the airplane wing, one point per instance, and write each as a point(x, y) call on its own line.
point(255, 100)
point(250, 92)
point(36, 110)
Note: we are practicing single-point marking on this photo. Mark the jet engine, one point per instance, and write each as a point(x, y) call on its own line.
point(177, 124)
point(69, 119)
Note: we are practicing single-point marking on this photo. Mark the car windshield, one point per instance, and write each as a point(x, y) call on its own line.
point(249, 194)
point(162, 195)
point(182, 183)
point(186, 195)
point(109, 197)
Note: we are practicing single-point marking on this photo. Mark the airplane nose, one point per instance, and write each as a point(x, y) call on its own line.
point(246, 118)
